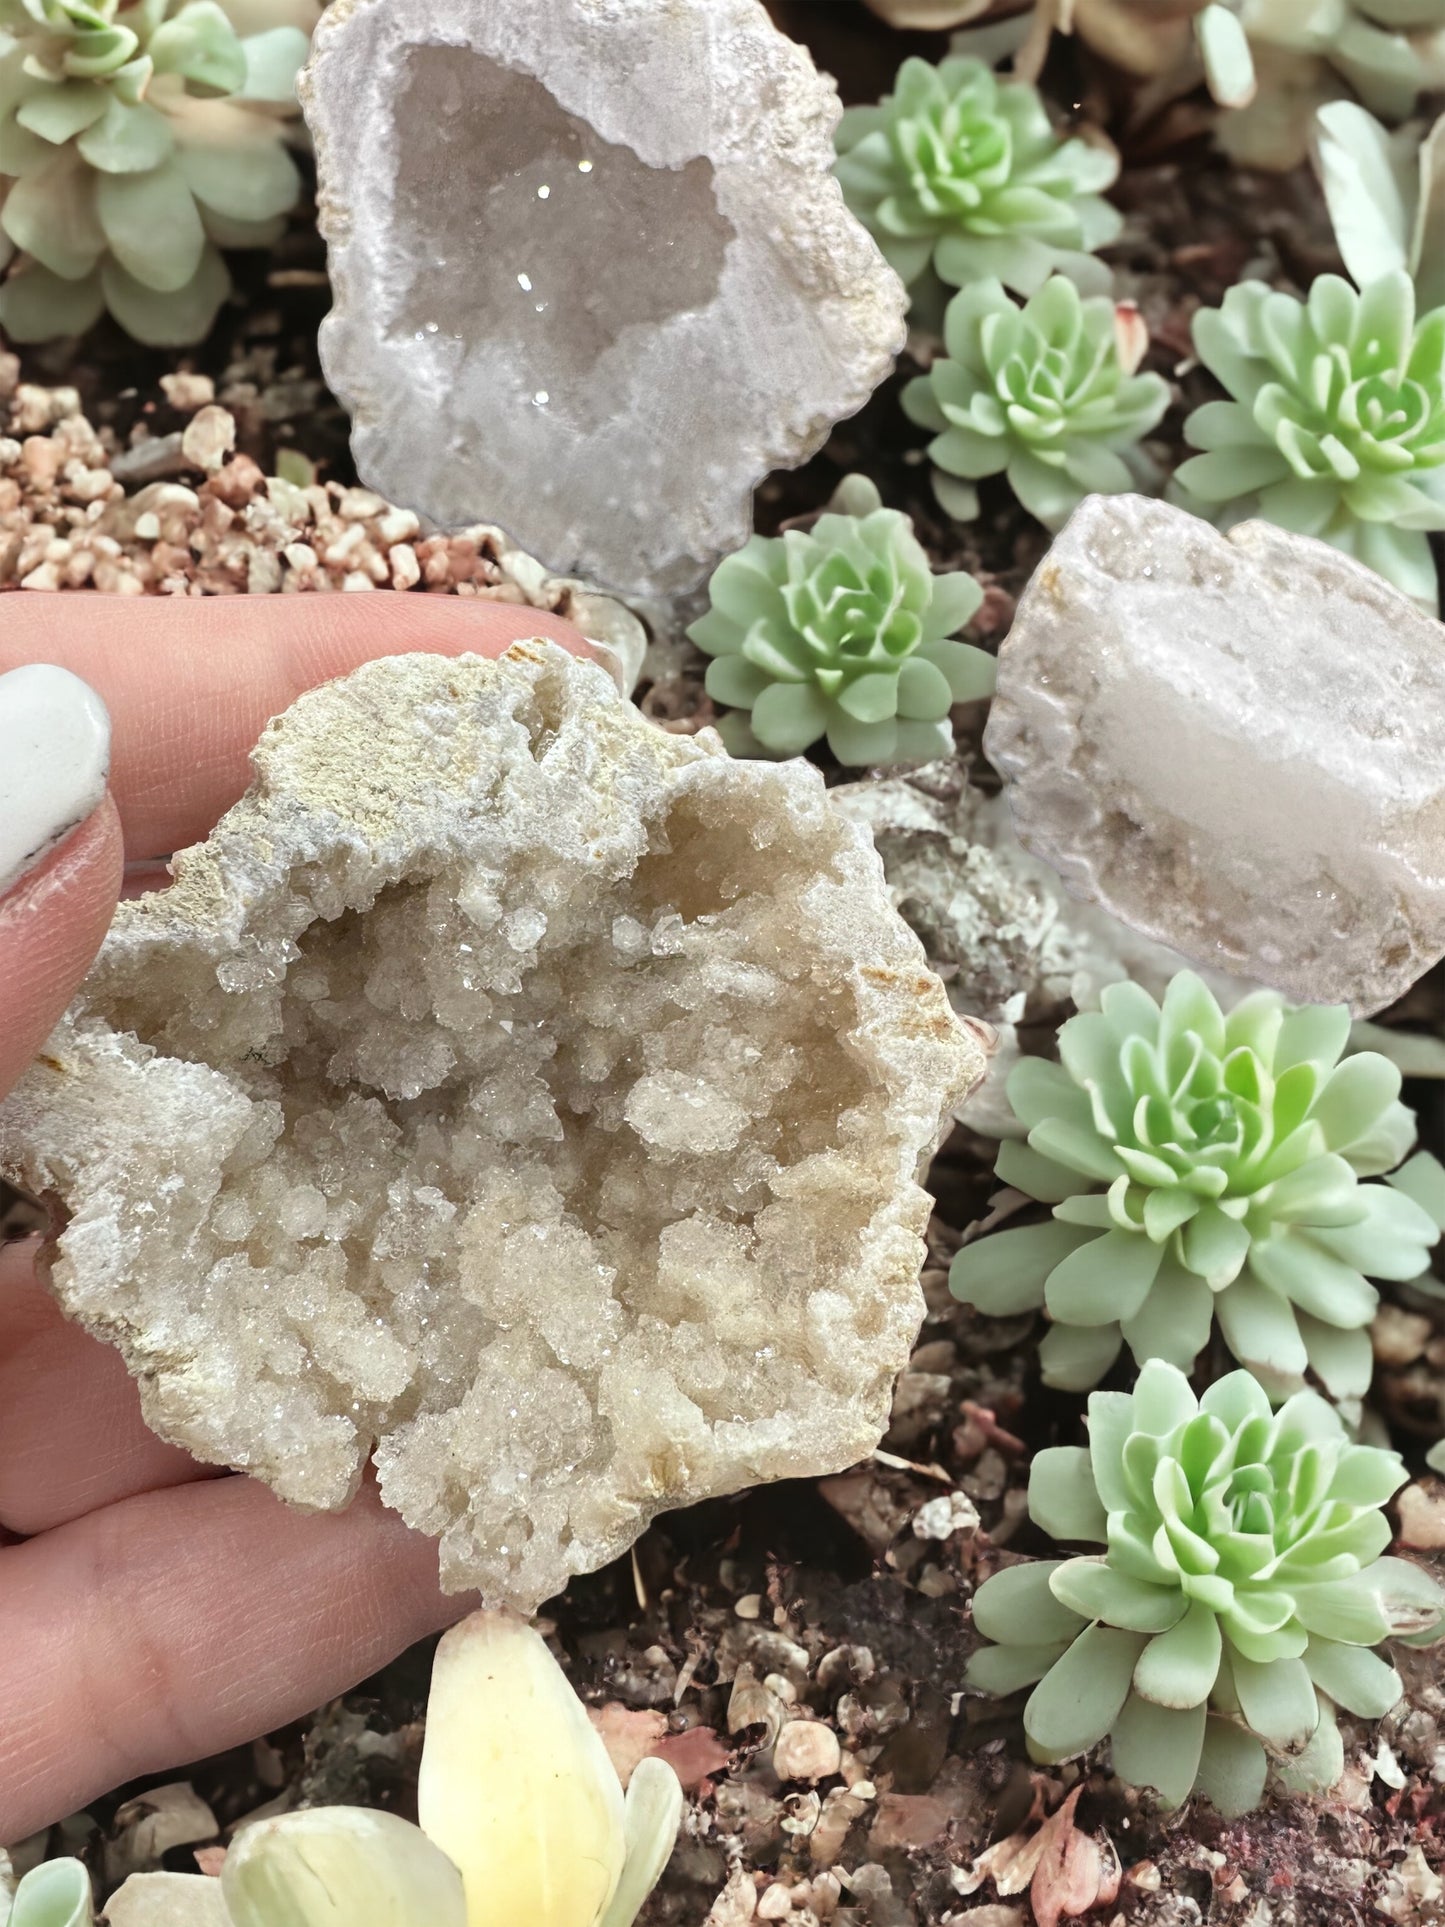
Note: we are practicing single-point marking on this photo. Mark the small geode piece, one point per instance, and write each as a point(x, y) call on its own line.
point(1235, 743)
point(593, 276)
point(515, 1088)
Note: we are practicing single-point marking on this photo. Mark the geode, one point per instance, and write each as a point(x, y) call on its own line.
point(593, 277)
point(514, 1090)
point(1235, 743)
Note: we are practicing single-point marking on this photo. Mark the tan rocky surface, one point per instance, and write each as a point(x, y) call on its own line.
point(515, 1088)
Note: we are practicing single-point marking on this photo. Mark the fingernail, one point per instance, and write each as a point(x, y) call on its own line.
point(54, 760)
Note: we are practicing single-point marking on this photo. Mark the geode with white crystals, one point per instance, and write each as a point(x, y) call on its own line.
point(1234, 743)
point(515, 1089)
point(593, 276)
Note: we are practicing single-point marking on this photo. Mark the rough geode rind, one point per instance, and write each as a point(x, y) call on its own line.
point(517, 1089)
point(593, 277)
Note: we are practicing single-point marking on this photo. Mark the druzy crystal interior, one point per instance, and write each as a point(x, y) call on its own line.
point(513, 1089)
point(536, 183)
point(593, 277)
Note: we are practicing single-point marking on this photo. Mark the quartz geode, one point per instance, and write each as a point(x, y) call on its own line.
point(593, 276)
point(515, 1089)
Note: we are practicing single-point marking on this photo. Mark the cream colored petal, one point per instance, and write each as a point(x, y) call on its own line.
point(340, 1867)
point(515, 1785)
point(652, 1813)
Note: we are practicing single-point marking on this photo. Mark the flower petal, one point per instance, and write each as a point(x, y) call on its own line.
point(515, 1786)
point(340, 1867)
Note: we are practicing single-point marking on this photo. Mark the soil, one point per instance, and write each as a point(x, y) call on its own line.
point(828, 1598)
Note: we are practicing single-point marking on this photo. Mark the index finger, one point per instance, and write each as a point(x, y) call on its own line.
point(190, 683)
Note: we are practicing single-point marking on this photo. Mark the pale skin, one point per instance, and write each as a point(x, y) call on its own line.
point(154, 1610)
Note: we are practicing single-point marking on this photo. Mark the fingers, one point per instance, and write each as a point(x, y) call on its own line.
point(179, 1623)
point(191, 682)
point(71, 1435)
point(51, 925)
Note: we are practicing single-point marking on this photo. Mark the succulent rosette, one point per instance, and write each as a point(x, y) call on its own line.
point(1234, 1605)
point(841, 631)
point(136, 141)
point(1336, 423)
point(960, 171)
point(1044, 394)
point(1205, 1167)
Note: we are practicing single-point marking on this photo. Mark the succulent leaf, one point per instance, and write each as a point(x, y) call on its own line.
point(1236, 1599)
point(845, 632)
point(960, 173)
point(1040, 393)
point(1208, 1167)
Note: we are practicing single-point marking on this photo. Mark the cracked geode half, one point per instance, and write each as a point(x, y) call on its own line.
point(515, 1089)
point(593, 276)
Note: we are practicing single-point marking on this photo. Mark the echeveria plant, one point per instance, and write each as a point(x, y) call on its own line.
point(1235, 1601)
point(522, 1819)
point(1046, 393)
point(960, 171)
point(1204, 1167)
point(1336, 423)
point(136, 141)
point(841, 631)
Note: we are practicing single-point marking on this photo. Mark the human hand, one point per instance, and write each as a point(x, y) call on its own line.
point(155, 1611)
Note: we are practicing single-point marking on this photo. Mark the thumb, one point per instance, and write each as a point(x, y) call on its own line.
point(61, 853)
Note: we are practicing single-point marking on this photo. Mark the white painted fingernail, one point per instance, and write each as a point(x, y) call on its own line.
point(54, 759)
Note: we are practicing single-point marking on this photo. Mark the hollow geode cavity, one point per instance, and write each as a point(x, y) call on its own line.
point(514, 1088)
point(593, 276)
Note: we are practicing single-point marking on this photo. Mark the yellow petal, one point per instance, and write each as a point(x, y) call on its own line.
point(340, 1867)
point(515, 1785)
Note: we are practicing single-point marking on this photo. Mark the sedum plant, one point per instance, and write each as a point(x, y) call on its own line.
point(961, 172)
point(1235, 1601)
point(1047, 394)
point(1335, 426)
point(136, 141)
point(841, 631)
point(1202, 1168)
point(522, 1819)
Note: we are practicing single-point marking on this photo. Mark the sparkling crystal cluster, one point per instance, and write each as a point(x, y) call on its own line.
point(517, 1090)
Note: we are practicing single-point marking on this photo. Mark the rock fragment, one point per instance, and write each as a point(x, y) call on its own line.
point(368, 1128)
point(1235, 743)
point(593, 276)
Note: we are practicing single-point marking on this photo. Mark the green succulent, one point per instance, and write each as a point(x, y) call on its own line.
point(843, 632)
point(1204, 1167)
point(1233, 1606)
point(960, 171)
point(1045, 393)
point(136, 141)
point(1336, 426)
